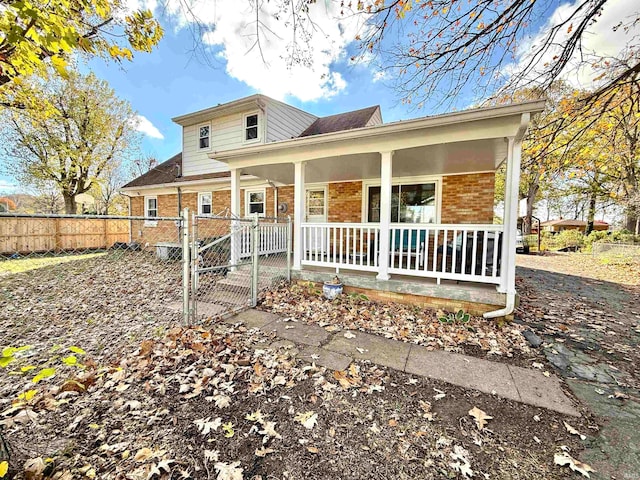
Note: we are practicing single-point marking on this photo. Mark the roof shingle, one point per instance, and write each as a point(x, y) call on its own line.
point(167, 172)
point(340, 122)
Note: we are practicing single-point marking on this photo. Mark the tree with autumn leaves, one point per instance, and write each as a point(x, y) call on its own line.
point(38, 34)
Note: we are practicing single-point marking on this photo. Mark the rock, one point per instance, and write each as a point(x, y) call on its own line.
point(532, 338)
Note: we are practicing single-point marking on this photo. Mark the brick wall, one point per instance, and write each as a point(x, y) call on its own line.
point(465, 199)
point(468, 198)
point(345, 202)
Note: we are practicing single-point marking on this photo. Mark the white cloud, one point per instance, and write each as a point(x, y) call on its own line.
point(599, 40)
point(265, 66)
point(144, 125)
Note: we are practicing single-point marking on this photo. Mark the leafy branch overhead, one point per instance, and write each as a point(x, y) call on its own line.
point(32, 32)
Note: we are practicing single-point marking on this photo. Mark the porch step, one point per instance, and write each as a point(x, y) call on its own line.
point(232, 284)
point(225, 297)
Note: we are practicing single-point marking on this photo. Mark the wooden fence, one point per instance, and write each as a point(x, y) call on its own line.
point(26, 235)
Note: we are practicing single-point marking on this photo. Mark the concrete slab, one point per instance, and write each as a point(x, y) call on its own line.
point(464, 371)
point(252, 318)
point(298, 332)
point(325, 358)
point(536, 389)
point(383, 351)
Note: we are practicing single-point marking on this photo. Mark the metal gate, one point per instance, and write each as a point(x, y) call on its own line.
point(233, 259)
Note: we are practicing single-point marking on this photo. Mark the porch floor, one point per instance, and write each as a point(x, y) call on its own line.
point(463, 292)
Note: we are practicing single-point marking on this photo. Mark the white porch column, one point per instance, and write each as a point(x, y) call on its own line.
point(386, 167)
point(235, 213)
point(298, 213)
point(510, 217)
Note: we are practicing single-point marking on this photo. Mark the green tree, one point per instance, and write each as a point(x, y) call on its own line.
point(39, 32)
point(89, 132)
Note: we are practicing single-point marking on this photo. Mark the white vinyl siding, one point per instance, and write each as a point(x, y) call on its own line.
point(226, 134)
point(376, 118)
point(285, 122)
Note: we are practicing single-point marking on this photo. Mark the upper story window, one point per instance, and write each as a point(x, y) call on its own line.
point(251, 127)
point(204, 134)
point(204, 203)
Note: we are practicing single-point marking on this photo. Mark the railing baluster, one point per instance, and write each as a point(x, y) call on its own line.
point(425, 260)
point(485, 247)
point(444, 250)
point(392, 253)
point(495, 253)
point(464, 252)
point(376, 253)
point(474, 265)
point(454, 244)
point(436, 233)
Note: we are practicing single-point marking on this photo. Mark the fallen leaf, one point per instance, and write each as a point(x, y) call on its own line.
point(227, 428)
point(349, 335)
point(143, 454)
point(480, 417)
point(263, 452)
point(307, 419)
point(229, 471)
point(34, 468)
point(206, 425)
point(573, 431)
point(269, 429)
point(313, 449)
point(564, 458)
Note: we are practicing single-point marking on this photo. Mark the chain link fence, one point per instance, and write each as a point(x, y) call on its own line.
point(134, 270)
point(234, 259)
point(65, 272)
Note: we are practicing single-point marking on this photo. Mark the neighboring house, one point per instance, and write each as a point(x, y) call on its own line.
point(556, 226)
point(7, 205)
point(403, 210)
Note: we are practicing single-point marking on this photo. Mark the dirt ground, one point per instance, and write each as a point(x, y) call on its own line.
point(147, 399)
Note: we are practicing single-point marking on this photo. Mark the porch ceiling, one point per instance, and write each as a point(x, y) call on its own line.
point(439, 159)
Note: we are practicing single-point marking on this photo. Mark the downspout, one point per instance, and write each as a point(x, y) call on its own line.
point(511, 291)
point(179, 212)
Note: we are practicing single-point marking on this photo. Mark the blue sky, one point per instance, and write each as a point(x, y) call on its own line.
point(170, 82)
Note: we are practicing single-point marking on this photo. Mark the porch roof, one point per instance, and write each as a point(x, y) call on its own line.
point(468, 141)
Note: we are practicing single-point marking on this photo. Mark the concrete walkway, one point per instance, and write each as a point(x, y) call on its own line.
point(337, 350)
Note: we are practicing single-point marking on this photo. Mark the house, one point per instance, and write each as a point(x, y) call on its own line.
point(403, 210)
point(7, 205)
point(556, 226)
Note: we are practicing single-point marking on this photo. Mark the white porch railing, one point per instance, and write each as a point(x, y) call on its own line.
point(440, 251)
point(273, 239)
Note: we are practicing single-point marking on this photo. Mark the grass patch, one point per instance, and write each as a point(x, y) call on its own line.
point(18, 265)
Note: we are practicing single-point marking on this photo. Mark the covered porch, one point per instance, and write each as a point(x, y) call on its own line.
point(416, 234)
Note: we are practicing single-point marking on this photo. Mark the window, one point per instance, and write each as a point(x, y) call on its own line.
point(255, 202)
point(203, 139)
point(251, 127)
point(150, 206)
point(204, 203)
point(410, 203)
point(150, 210)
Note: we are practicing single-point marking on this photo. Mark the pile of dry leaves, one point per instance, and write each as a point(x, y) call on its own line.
point(395, 320)
point(220, 403)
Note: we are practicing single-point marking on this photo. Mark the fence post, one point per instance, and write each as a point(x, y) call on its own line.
point(288, 248)
point(255, 256)
point(186, 264)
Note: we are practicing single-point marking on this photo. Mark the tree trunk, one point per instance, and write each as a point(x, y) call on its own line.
point(526, 230)
point(70, 205)
point(592, 213)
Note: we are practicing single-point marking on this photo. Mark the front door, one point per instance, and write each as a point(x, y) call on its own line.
point(316, 212)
